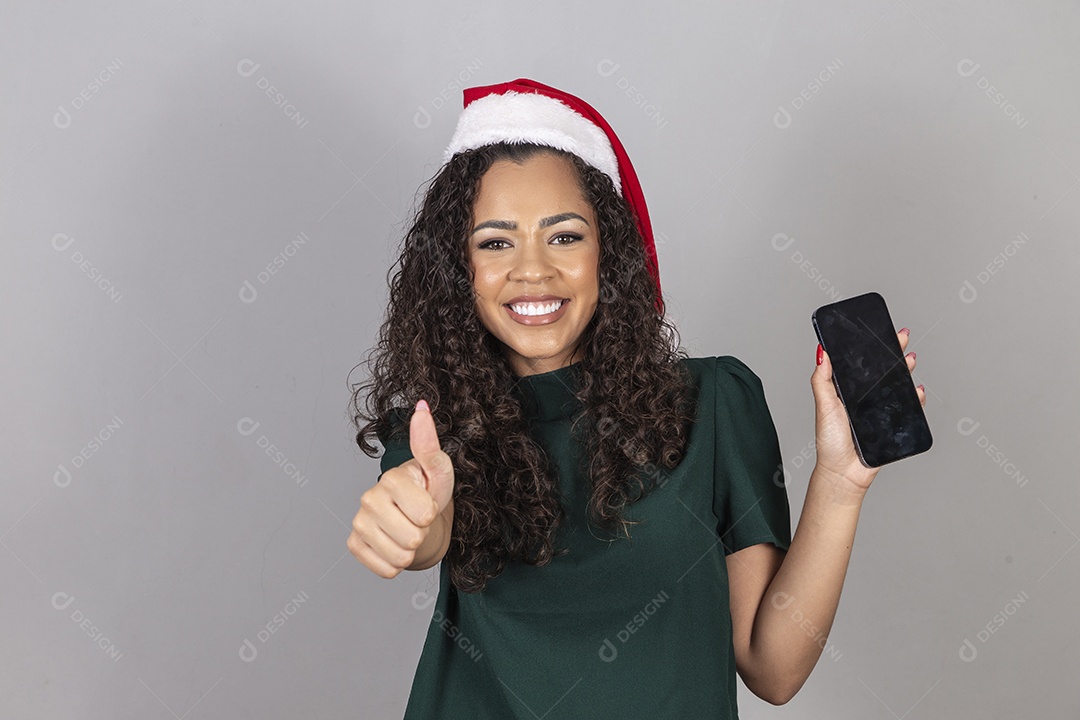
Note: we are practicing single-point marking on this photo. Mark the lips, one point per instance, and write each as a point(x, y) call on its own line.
point(533, 298)
point(538, 319)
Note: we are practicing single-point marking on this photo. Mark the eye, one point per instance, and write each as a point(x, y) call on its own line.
point(570, 237)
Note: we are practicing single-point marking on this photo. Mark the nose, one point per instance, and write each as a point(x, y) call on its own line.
point(532, 261)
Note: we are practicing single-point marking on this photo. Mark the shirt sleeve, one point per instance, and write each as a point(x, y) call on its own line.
point(396, 446)
point(750, 498)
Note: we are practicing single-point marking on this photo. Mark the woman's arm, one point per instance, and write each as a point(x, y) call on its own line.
point(783, 604)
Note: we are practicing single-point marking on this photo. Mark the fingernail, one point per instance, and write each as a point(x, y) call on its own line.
point(912, 354)
point(819, 352)
point(922, 387)
point(422, 405)
point(905, 330)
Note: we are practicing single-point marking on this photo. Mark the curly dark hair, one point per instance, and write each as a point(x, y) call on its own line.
point(637, 399)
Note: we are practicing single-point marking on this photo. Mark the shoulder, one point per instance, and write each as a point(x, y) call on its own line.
point(729, 392)
point(731, 389)
point(723, 370)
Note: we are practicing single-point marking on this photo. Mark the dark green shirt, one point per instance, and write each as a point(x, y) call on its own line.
point(618, 628)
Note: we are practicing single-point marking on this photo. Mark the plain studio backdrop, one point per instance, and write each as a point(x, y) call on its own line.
point(200, 204)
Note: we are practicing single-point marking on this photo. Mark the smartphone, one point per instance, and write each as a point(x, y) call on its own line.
point(872, 379)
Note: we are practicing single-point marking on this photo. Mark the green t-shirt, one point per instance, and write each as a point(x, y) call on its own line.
point(617, 628)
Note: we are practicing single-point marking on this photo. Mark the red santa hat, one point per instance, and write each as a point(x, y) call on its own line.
point(527, 111)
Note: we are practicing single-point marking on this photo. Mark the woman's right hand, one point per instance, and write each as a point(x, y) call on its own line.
point(393, 529)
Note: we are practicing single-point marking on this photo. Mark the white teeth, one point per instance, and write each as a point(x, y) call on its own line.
point(536, 308)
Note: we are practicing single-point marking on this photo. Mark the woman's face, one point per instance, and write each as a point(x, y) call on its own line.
point(535, 238)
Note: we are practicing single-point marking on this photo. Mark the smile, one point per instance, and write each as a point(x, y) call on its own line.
point(537, 313)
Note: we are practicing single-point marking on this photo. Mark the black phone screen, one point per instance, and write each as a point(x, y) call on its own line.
point(872, 379)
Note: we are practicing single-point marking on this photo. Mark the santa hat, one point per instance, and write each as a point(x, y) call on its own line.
point(527, 111)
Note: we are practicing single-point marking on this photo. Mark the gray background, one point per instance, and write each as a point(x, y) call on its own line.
point(151, 530)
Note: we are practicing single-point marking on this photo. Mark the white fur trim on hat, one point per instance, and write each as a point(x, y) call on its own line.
point(532, 117)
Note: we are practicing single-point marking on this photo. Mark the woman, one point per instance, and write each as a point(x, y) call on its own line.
point(610, 514)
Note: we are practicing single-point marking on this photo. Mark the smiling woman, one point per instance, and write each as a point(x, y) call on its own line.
point(526, 309)
point(477, 246)
point(536, 274)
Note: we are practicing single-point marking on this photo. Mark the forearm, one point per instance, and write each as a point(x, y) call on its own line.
point(434, 547)
point(800, 604)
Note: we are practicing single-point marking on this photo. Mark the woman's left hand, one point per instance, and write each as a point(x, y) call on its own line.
point(835, 447)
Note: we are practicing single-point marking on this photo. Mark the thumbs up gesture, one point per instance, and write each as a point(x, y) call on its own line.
point(404, 521)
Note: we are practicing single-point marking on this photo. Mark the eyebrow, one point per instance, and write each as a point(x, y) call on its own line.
point(544, 222)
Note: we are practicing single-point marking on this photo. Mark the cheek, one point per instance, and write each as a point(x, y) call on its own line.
point(485, 284)
point(587, 277)
point(480, 282)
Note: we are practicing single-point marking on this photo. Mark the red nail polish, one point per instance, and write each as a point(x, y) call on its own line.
point(819, 350)
point(905, 330)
